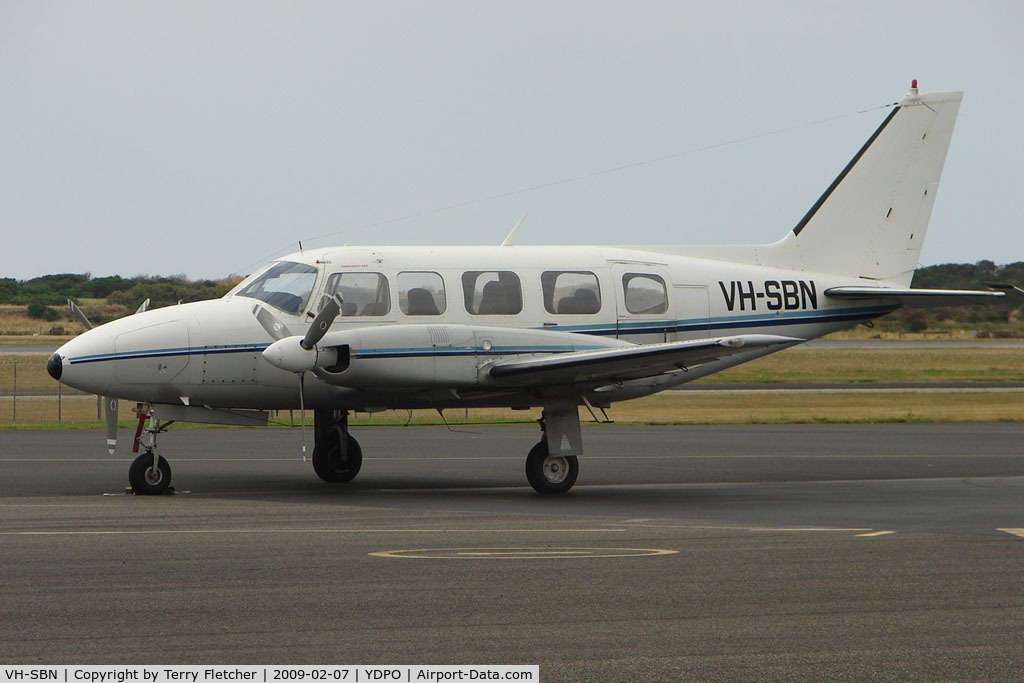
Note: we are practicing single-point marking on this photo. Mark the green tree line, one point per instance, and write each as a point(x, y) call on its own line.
point(1004, 320)
point(46, 296)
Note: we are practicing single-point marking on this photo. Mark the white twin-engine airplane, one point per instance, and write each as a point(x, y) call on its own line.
point(371, 328)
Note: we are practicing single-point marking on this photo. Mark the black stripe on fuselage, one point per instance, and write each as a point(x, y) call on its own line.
point(849, 167)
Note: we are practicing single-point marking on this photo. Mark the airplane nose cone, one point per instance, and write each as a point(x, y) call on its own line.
point(55, 366)
point(85, 362)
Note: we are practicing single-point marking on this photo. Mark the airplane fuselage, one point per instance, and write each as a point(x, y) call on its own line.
point(209, 353)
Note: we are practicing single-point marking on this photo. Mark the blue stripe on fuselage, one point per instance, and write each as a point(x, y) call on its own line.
point(624, 328)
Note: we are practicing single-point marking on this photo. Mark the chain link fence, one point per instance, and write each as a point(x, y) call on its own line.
point(29, 395)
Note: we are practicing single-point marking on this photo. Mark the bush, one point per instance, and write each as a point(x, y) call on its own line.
point(40, 310)
point(916, 322)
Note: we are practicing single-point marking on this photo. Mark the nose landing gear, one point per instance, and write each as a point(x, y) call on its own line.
point(149, 474)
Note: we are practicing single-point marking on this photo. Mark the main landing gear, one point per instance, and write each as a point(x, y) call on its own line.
point(552, 466)
point(550, 473)
point(337, 456)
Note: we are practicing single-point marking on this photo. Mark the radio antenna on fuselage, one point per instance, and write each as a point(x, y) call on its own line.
point(510, 238)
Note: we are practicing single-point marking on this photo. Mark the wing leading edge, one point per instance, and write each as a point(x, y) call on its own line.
point(633, 362)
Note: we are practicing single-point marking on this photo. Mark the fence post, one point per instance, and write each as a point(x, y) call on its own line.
point(14, 395)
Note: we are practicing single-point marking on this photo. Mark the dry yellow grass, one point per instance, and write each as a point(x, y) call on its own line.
point(981, 363)
point(808, 364)
point(31, 373)
point(744, 408)
point(794, 365)
point(708, 408)
point(700, 408)
point(16, 326)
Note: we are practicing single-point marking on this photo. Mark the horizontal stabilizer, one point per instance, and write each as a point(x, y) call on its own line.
point(922, 298)
point(627, 363)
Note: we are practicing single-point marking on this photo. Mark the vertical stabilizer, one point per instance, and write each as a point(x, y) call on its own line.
point(871, 221)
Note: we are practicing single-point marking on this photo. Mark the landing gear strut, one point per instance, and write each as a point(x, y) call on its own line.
point(337, 457)
point(551, 466)
point(149, 474)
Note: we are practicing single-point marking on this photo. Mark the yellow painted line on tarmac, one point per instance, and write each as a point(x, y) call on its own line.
point(135, 532)
point(847, 390)
point(520, 553)
point(720, 527)
point(1014, 531)
point(876, 533)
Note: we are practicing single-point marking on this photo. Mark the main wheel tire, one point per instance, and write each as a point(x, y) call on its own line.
point(147, 480)
point(330, 463)
point(550, 473)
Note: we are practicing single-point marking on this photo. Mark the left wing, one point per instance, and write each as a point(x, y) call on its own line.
point(931, 297)
point(627, 363)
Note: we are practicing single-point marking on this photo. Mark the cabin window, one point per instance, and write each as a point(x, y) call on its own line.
point(644, 293)
point(492, 292)
point(421, 293)
point(285, 285)
point(570, 292)
point(362, 294)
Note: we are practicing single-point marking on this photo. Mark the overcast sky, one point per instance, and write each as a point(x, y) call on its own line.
point(206, 137)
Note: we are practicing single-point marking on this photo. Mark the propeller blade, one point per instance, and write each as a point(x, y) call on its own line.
point(322, 322)
point(111, 404)
point(77, 312)
point(274, 327)
point(302, 411)
point(142, 308)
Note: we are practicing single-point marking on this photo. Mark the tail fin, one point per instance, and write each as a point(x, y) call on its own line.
point(871, 221)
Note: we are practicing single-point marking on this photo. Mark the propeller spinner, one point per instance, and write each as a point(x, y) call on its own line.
point(299, 354)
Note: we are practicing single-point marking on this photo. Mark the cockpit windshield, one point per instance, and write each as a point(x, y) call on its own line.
point(285, 285)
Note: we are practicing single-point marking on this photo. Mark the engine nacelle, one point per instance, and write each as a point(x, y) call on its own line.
point(425, 356)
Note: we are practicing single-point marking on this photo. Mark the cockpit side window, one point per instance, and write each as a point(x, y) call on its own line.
point(492, 292)
point(285, 285)
point(362, 294)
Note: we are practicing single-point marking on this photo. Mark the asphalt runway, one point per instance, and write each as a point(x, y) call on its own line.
point(849, 552)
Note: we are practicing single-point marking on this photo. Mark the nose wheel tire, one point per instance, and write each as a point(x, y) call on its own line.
point(334, 464)
point(147, 480)
point(550, 473)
